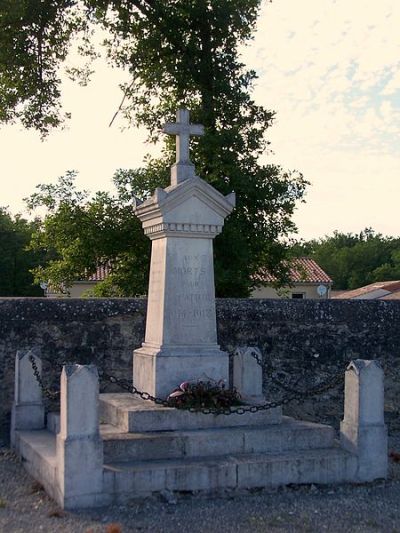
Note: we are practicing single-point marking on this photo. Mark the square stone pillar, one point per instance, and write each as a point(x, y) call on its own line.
point(181, 331)
point(79, 446)
point(247, 374)
point(28, 408)
point(363, 431)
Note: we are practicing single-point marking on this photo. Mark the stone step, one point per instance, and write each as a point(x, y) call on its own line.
point(38, 450)
point(125, 480)
point(132, 414)
point(290, 435)
point(242, 471)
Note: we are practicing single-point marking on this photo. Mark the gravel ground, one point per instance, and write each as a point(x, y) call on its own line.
point(308, 508)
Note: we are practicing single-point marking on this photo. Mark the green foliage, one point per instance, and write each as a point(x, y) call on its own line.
point(34, 38)
point(178, 53)
point(354, 260)
point(15, 260)
point(85, 232)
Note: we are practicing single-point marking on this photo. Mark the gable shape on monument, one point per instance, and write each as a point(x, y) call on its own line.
point(172, 198)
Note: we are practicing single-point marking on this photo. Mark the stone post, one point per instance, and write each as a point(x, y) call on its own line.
point(79, 446)
point(247, 374)
point(28, 408)
point(363, 431)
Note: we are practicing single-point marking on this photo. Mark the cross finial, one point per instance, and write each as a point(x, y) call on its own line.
point(183, 168)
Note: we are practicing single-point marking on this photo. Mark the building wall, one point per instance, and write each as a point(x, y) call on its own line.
point(295, 335)
point(78, 288)
point(75, 291)
point(309, 290)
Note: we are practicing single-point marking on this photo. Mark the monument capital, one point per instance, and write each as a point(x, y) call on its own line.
point(191, 209)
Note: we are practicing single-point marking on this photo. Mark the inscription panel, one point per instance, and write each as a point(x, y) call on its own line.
point(191, 302)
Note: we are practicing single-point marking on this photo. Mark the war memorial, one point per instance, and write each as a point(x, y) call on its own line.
point(111, 447)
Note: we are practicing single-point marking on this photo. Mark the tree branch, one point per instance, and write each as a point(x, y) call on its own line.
point(121, 103)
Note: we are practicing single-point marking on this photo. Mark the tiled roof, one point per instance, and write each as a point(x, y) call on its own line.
point(302, 270)
point(385, 290)
point(102, 271)
point(392, 296)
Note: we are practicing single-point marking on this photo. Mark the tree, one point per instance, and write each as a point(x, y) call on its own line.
point(178, 53)
point(83, 232)
point(16, 261)
point(355, 260)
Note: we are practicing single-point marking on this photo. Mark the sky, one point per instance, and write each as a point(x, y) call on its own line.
point(330, 69)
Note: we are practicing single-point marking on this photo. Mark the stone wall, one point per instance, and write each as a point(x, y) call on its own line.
point(296, 335)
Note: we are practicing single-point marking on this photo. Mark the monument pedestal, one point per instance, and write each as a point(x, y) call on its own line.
point(181, 335)
point(160, 371)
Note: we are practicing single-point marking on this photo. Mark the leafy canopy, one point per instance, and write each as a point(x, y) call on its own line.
point(16, 260)
point(178, 53)
point(354, 260)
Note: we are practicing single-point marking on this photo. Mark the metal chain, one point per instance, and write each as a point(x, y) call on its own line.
point(51, 395)
point(253, 354)
point(335, 380)
point(303, 395)
point(129, 387)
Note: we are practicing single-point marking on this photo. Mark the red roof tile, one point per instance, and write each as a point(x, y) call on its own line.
point(102, 271)
point(302, 270)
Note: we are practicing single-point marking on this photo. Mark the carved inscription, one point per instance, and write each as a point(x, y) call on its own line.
point(194, 296)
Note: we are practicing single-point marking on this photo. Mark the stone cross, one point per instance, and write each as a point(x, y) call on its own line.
point(183, 168)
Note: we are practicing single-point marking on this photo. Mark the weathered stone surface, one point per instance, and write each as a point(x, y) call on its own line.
point(181, 334)
point(233, 471)
point(86, 331)
point(294, 335)
point(130, 413)
point(247, 374)
point(363, 431)
point(28, 406)
point(79, 447)
point(278, 438)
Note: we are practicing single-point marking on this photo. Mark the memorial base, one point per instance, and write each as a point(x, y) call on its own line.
point(160, 370)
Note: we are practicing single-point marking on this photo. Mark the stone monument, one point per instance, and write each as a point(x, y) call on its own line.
point(181, 221)
point(113, 447)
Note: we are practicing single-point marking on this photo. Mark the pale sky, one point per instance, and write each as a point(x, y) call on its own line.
point(331, 71)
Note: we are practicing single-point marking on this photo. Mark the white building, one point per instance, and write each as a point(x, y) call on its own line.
point(308, 280)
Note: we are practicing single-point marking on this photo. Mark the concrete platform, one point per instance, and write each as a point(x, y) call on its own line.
point(124, 480)
point(132, 414)
point(290, 435)
point(38, 451)
point(148, 448)
point(274, 438)
point(242, 471)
